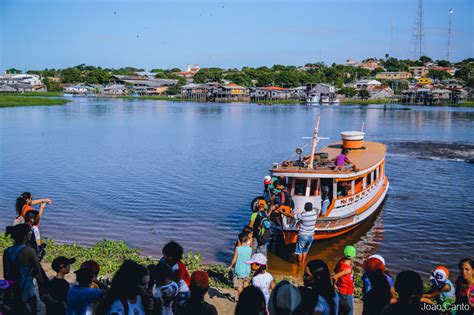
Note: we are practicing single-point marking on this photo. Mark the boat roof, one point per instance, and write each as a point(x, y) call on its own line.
point(365, 159)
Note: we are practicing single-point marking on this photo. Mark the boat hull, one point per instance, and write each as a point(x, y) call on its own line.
point(329, 228)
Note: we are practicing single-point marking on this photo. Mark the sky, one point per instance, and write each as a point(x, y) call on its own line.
point(38, 34)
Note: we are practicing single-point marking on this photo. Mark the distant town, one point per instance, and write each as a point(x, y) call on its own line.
point(422, 81)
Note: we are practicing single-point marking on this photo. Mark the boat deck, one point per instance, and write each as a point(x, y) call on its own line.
point(366, 157)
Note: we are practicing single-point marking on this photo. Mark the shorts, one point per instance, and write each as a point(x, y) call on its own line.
point(303, 244)
point(239, 282)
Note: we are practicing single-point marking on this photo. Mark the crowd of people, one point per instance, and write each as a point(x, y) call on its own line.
point(168, 288)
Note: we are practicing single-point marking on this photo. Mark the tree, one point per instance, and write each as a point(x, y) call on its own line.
point(51, 85)
point(209, 75)
point(443, 63)
point(425, 59)
point(438, 75)
point(364, 94)
point(70, 75)
point(348, 91)
point(13, 71)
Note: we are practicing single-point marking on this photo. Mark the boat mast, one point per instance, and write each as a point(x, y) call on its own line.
point(314, 143)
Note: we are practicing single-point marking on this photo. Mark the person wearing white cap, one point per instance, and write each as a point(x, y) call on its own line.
point(261, 278)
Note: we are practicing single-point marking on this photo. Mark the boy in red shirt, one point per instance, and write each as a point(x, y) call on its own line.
point(344, 277)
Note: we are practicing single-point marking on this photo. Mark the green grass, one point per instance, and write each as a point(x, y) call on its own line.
point(353, 101)
point(283, 102)
point(111, 254)
point(465, 104)
point(20, 100)
point(47, 94)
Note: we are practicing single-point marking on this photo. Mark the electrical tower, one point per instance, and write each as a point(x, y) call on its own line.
point(449, 34)
point(417, 43)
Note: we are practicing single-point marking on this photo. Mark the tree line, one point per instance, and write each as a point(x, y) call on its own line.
point(277, 75)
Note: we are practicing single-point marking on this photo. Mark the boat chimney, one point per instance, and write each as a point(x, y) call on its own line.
point(352, 139)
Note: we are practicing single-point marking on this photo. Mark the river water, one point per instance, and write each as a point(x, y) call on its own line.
point(150, 171)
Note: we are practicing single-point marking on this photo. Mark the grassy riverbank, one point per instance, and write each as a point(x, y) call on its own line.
point(111, 254)
point(354, 101)
point(44, 94)
point(21, 100)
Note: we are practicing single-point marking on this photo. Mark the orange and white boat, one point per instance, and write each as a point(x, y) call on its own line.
point(353, 195)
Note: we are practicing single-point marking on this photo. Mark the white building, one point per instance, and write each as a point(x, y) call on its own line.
point(367, 84)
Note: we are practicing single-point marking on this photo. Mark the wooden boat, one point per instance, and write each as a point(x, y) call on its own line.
point(354, 195)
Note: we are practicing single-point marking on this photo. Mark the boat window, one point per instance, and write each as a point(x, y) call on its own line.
point(358, 185)
point(314, 187)
point(300, 187)
point(369, 179)
point(327, 186)
point(344, 188)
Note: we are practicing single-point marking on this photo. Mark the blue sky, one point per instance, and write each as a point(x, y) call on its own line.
point(37, 34)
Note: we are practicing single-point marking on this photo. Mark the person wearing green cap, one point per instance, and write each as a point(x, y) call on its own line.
point(344, 277)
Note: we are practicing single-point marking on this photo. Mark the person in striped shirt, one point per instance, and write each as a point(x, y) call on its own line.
point(307, 222)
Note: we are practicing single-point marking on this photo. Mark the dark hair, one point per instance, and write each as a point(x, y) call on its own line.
point(31, 215)
point(247, 229)
point(173, 249)
point(84, 276)
point(409, 286)
point(460, 281)
point(163, 271)
point(251, 302)
point(124, 284)
point(243, 237)
point(345, 151)
point(308, 206)
point(466, 260)
point(21, 201)
point(18, 232)
point(261, 269)
point(322, 285)
point(379, 295)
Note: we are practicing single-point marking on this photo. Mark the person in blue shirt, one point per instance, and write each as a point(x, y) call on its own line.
point(81, 298)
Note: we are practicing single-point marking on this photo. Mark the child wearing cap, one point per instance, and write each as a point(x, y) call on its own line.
point(442, 289)
point(242, 254)
point(344, 277)
point(58, 287)
point(261, 278)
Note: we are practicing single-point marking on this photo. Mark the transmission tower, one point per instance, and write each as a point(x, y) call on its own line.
point(417, 43)
point(449, 34)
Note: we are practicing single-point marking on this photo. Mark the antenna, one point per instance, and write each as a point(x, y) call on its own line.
point(449, 34)
point(417, 43)
point(314, 143)
point(391, 38)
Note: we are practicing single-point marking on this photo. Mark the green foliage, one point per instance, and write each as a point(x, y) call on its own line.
point(47, 94)
point(443, 63)
point(193, 261)
point(13, 100)
point(206, 75)
point(51, 85)
point(13, 71)
point(364, 94)
point(71, 75)
point(111, 254)
point(438, 75)
point(348, 91)
point(425, 59)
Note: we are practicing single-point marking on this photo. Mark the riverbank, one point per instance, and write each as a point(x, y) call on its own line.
point(355, 101)
point(111, 254)
point(14, 100)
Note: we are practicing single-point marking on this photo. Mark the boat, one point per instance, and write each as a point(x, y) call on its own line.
point(354, 194)
point(324, 100)
point(312, 100)
point(335, 101)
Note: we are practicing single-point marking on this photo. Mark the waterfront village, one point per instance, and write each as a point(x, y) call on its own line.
point(423, 81)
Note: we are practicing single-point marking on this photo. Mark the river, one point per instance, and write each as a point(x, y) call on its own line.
point(149, 171)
